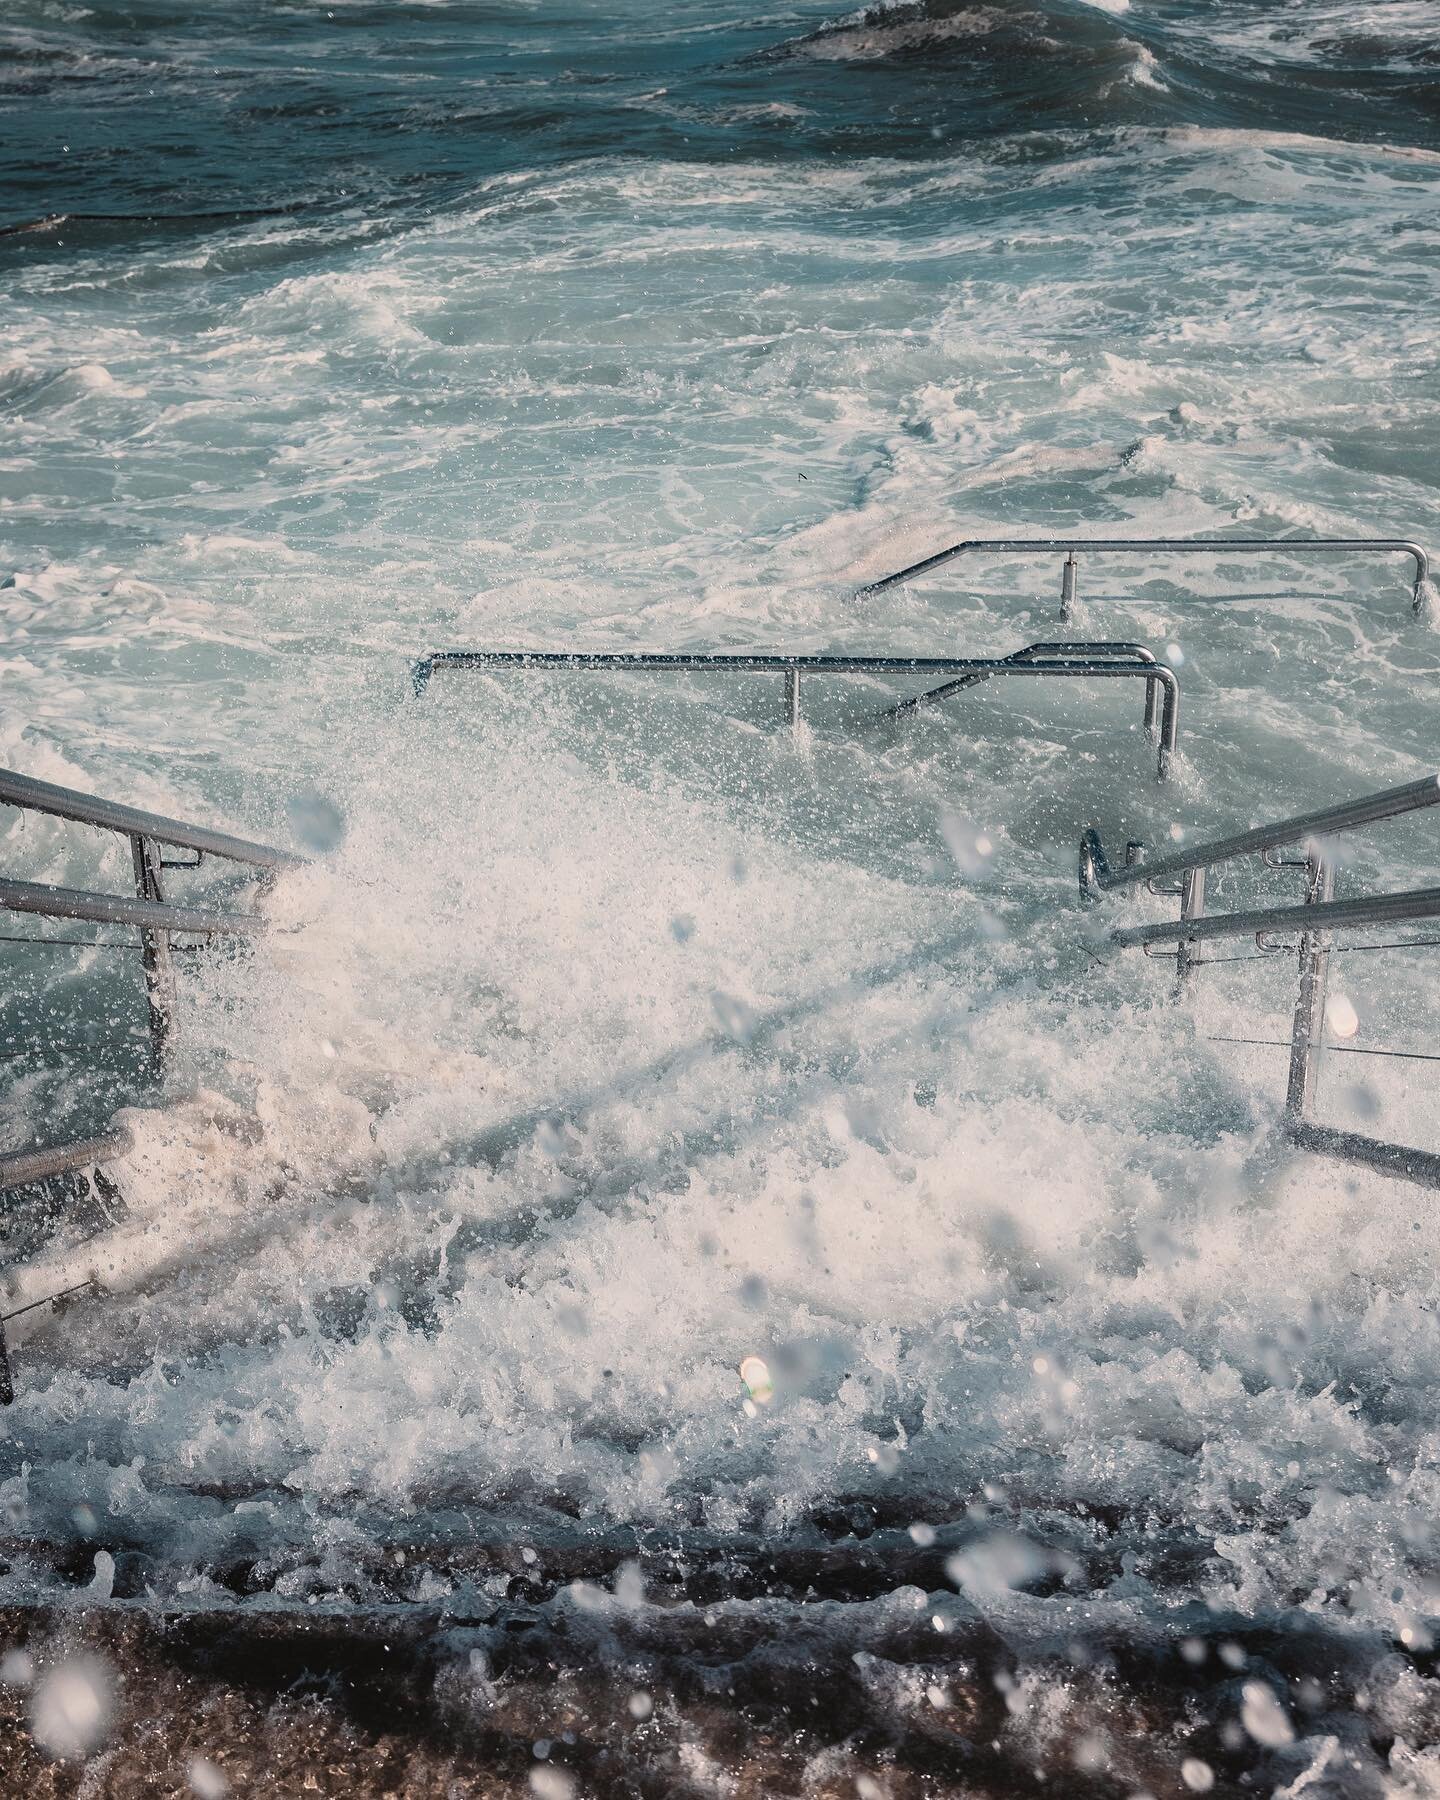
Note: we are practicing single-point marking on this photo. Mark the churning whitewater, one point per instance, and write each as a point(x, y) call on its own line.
point(701, 1193)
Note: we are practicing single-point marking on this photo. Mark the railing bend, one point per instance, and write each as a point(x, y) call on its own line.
point(1073, 661)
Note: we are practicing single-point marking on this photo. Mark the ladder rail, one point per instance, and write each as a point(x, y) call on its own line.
point(30, 795)
point(1074, 547)
point(149, 833)
point(1313, 922)
point(1080, 661)
point(1323, 822)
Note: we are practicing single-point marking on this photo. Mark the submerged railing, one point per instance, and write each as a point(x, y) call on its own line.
point(149, 834)
point(157, 920)
point(1314, 921)
point(1073, 547)
point(1077, 661)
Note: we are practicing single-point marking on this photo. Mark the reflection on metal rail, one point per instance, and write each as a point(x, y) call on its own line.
point(1073, 547)
point(147, 833)
point(1313, 922)
point(23, 1167)
point(1080, 661)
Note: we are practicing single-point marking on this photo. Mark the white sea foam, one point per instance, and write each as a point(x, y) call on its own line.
point(624, 1038)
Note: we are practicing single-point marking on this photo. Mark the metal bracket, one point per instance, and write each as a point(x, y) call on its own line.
point(199, 858)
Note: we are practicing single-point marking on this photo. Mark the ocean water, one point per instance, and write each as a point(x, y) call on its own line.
point(616, 1035)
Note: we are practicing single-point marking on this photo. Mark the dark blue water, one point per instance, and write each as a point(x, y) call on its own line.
point(154, 113)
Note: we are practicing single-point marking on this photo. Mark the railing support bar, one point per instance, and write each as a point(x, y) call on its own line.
point(792, 698)
point(1068, 577)
point(1309, 1027)
point(155, 952)
point(1192, 906)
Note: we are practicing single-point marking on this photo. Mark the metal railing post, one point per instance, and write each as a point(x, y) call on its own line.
point(1309, 1026)
point(792, 698)
point(155, 946)
point(1068, 576)
point(1192, 906)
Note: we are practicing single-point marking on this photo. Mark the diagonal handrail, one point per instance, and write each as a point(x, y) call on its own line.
point(1369, 909)
point(119, 909)
point(113, 815)
point(1325, 821)
point(1167, 546)
point(1313, 923)
point(1090, 650)
point(148, 833)
point(19, 1168)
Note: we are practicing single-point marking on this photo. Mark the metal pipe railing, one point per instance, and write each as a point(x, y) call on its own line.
point(1419, 1166)
point(147, 832)
point(1090, 650)
point(26, 1168)
point(155, 919)
point(1079, 666)
point(1313, 921)
point(1073, 547)
point(1371, 909)
point(132, 821)
point(118, 909)
point(1325, 821)
point(20, 1168)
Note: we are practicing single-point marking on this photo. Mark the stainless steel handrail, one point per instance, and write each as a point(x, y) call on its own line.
point(1371, 909)
point(148, 833)
point(1079, 666)
point(24, 1168)
point(117, 909)
point(1313, 921)
point(1073, 546)
point(1091, 650)
point(112, 815)
point(1325, 821)
point(19, 1168)
point(1419, 1166)
point(737, 663)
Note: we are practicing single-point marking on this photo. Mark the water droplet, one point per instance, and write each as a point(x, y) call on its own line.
point(71, 1709)
point(755, 1373)
point(1263, 1716)
point(207, 1781)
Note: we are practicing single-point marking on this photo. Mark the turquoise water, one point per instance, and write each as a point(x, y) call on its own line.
point(624, 1037)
